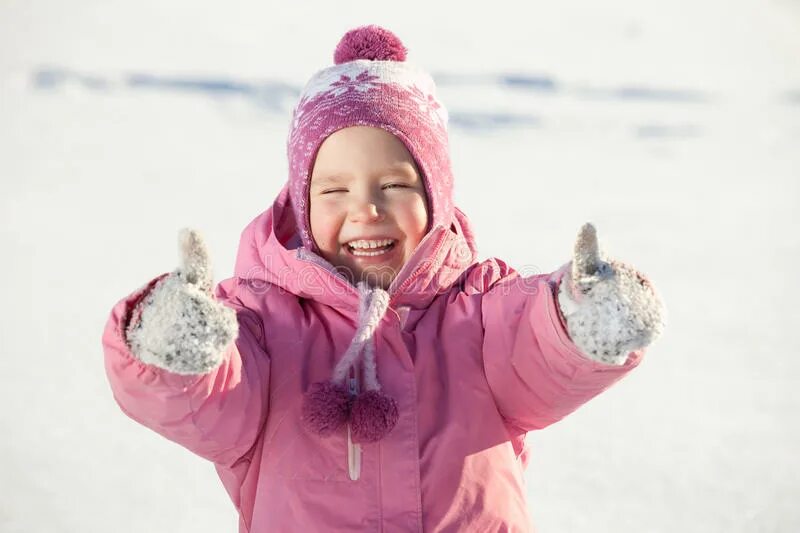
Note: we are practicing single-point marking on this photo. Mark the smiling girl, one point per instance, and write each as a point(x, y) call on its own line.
point(362, 370)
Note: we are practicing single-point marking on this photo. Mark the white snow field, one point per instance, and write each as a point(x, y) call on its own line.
point(673, 126)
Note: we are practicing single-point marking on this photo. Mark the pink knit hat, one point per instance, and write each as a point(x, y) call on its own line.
point(371, 84)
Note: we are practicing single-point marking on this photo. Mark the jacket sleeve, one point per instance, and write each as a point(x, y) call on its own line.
point(216, 415)
point(536, 373)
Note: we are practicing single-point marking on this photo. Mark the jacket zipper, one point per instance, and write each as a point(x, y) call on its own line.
point(353, 449)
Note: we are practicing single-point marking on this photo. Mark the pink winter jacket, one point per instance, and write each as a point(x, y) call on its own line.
point(475, 356)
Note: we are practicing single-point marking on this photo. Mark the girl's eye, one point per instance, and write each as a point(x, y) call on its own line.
point(387, 186)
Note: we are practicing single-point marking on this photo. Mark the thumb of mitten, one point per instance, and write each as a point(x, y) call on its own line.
point(195, 266)
point(588, 265)
point(181, 327)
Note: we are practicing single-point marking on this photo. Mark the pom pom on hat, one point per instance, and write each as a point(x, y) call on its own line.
point(369, 42)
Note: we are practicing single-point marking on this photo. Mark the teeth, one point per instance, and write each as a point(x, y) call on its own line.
point(363, 244)
point(361, 252)
point(369, 248)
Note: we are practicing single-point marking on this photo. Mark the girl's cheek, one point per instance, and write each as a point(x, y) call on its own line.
point(330, 215)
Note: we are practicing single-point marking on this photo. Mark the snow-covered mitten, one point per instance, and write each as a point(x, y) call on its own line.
point(179, 326)
point(610, 308)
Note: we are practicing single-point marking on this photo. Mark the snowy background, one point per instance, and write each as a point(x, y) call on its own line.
point(673, 126)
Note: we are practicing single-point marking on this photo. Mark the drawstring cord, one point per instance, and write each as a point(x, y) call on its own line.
point(373, 304)
point(328, 405)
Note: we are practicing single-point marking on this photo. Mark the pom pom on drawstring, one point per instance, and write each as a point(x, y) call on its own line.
point(369, 42)
point(372, 416)
point(326, 406)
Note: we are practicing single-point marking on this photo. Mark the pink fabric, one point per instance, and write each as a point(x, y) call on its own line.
point(475, 355)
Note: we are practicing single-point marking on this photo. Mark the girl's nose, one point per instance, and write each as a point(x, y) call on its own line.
point(366, 212)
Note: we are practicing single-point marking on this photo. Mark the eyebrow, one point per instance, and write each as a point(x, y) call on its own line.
point(327, 180)
point(400, 166)
point(405, 168)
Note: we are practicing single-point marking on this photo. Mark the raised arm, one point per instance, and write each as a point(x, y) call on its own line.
point(187, 364)
point(542, 363)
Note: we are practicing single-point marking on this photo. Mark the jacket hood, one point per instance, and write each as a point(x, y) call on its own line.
point(271, 253)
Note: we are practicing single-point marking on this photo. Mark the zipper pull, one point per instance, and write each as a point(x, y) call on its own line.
point(353, 449)
point(353, 457)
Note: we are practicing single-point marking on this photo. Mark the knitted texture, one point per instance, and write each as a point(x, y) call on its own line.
point(369, 42)
point(609, 307)
point(375, 87)
point(178, 325)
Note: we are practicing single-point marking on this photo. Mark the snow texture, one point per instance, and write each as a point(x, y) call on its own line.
point(181, 328)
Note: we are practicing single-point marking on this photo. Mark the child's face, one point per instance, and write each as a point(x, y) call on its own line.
point(366, 186)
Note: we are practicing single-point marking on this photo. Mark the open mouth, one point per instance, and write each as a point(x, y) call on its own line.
point(370, 248)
